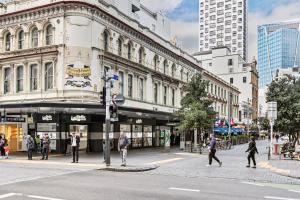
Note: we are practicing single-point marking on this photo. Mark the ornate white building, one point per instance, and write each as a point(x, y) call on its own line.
point(53, 54)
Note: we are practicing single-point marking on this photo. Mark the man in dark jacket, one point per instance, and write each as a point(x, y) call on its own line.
point(75, 141)
point(46, 146)
point(252, 150)
point(212, 151)
point(30, 146)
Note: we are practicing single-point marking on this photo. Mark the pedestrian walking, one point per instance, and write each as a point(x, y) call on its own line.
point(6, 148)
point(46, 147)
point(212, 151)
point(277, 137)
point(2, 147)
point(252, 150)
point(75, 143)
point(30, 146)
point(123, 144)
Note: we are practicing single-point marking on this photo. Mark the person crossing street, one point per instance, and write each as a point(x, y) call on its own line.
point(252, 149)
point(212, 151)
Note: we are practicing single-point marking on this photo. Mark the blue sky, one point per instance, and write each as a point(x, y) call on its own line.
point(187, 10)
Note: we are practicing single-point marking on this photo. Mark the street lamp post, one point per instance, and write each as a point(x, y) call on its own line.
point(272, 115)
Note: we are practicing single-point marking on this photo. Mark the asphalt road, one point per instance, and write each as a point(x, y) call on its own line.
point(182, 177)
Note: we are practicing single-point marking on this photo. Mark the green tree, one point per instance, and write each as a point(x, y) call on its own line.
point(286, 92)
point(196, 111)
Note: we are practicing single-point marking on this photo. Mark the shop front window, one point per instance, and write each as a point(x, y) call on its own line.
point(137, 136)
point(147, 137)
point(14, 136)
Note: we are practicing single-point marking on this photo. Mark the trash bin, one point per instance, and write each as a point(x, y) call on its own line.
point(276, 149)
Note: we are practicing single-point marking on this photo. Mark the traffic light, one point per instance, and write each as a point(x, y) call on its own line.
point(113, 109)
point(103, 96)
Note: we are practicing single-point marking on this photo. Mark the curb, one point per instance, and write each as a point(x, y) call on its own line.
point(288, 175)
point(129, 168)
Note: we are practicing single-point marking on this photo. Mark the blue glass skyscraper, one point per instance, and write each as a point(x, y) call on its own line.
point(278, 47)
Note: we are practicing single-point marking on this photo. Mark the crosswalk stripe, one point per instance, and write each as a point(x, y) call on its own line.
point(41, 197)
point(9, 195)
point(279, 198)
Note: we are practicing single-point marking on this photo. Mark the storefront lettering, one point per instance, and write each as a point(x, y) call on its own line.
point(47, 118)
point(13, 119)
point(78, 118)
point(139, 121)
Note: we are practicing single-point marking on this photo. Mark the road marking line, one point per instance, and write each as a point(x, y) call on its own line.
point(256, 184)
point(183, 189)
point(164, 161)
point(9, 195)
point(279, 198)
point(41, 197)
point(298, 191)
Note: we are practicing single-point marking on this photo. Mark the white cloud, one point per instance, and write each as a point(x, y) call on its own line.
point(187, 35)
point(161, 5)
point(280, 13)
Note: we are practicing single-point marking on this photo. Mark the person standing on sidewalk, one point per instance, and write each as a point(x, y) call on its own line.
point(30, 146)
point(46, 146)
point(75, 143)
point(252, 150)
point(212, 151)
point(123, 143)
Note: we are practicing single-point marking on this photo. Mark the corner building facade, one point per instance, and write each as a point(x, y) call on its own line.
point(53, 55)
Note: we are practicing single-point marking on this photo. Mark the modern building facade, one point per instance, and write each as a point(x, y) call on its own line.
point(53, 55)
point(235, 70)
point(278, 48)
point(223, 23)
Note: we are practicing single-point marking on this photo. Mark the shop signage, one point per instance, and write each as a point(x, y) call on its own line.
point(78, 75)
point(139, 121)
point(13, 119)
point(47, 118)
point(78, 118)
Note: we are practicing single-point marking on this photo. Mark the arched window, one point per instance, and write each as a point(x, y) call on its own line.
point(155, 62)
point(165, 67)
point(21, 40)
point(173, 70)
point(120, 45)
point(34, 37)
point(141, 55)
point(105, 40)
point(7, 42)
point(49, 35)
point(129, 49)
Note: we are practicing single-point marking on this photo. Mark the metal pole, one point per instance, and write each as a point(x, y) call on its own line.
point(248, 115)
point(107, 121)
point(271, 142)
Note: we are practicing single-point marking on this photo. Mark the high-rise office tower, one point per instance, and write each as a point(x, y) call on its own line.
point(223, 23)
point(278, 48)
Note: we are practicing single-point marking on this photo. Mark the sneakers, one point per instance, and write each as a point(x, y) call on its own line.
point(247, 165)
point(254, 167)
point(220, 164)
point(208, 165)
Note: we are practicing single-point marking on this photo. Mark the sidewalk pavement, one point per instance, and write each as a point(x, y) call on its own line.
point(137, 160)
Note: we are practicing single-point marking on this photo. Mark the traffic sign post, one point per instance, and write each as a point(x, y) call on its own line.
point(272, 116)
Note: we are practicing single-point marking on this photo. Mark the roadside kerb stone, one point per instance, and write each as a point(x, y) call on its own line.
point(130, 168)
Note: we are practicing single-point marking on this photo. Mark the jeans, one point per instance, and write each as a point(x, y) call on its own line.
point(45, 152)
point(251, 156)
point(29, 154)
point(75, 153)
point(212, 155)
point(123, 153)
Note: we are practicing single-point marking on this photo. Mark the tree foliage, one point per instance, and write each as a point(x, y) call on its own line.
point(286, 92)
point(196, 112)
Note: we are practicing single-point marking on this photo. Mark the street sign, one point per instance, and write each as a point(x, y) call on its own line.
point(272, 110)
point(115, 77)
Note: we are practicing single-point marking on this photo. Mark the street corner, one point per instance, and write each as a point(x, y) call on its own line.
point(129, 168)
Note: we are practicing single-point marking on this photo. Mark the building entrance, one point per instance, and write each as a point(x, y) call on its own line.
point(14, 135)
point(82, 131)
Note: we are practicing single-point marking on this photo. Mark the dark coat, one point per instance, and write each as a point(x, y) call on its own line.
point(252, 148)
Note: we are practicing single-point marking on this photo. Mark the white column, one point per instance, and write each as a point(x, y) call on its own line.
point(149, 88)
